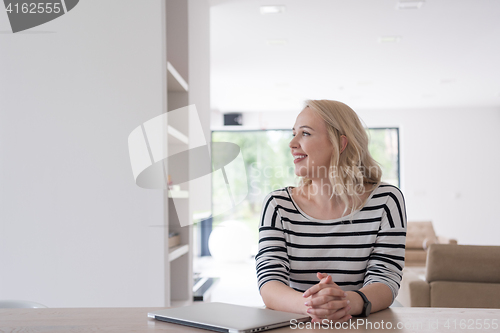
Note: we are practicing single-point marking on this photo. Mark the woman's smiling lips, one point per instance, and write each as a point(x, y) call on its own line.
point(298, 157)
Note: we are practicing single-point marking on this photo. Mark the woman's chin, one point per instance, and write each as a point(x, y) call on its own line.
point(301, 174)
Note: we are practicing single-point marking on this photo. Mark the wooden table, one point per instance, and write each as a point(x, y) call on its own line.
point(136, 320)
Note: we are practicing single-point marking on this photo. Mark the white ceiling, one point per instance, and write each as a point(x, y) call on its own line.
point(448, 55)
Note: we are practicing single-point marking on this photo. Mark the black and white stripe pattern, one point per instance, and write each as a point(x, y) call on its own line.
point(293, 247)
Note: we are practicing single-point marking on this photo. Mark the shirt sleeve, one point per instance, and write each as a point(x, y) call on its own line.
point(271, 261)
point(387, 259)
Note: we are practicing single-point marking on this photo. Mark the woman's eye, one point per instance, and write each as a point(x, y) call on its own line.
point(305, 133)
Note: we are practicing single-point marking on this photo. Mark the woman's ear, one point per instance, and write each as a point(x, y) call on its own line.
point(343, 143)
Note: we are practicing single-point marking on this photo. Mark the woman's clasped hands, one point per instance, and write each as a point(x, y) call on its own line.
point(327, 301)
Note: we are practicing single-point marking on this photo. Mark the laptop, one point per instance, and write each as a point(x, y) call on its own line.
point(223, 317)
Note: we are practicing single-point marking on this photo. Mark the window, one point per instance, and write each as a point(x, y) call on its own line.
point(269, 166)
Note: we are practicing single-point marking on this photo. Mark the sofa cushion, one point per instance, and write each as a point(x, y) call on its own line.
point(446, 294)
point(463, 263)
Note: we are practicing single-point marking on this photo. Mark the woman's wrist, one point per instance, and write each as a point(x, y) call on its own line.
point(356, 303)
point(303, 308)
point(278, 296)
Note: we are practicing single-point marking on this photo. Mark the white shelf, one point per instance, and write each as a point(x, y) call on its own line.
point(178, 194)
point(176, 136)
point(200, 216)
point(177, 251)
point(175, 82)
point(178, 260)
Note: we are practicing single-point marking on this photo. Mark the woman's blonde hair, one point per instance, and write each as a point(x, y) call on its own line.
point(354, 167)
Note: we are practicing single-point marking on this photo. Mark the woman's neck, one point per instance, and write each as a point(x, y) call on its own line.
point(320, 191)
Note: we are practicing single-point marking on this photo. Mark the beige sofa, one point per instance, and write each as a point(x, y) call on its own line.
point(419, 236)
point(457, 276)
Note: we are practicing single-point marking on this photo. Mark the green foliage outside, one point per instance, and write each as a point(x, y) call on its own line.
point(269, 166)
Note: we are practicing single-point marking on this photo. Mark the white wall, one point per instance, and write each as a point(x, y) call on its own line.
point(74, 228)
point(449, 163)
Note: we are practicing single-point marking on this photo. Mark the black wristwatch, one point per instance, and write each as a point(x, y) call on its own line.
point(367, 306)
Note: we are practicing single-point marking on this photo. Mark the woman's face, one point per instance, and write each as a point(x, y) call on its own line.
point(310, 146)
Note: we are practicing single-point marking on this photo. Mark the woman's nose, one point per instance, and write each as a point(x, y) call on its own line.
point(293, 143)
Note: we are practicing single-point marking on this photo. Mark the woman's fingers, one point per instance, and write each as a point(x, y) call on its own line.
point(327, 302)
point(317, 300)
point(329, 314)
point(345, 318)
point(324, 278)
point(335, 291)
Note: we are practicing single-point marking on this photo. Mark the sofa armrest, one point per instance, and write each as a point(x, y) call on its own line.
point(420, 294)
point(446, 240)
point(404, 294)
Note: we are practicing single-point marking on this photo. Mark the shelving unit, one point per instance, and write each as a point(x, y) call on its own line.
point(177, 251)
point(176, 137)
point(178, 194)
point(174, 80)
point(178, 259)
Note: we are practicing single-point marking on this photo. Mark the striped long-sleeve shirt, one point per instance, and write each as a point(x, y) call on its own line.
point(293, 246)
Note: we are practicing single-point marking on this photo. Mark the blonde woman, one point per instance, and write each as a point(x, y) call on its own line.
point(334, 246)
